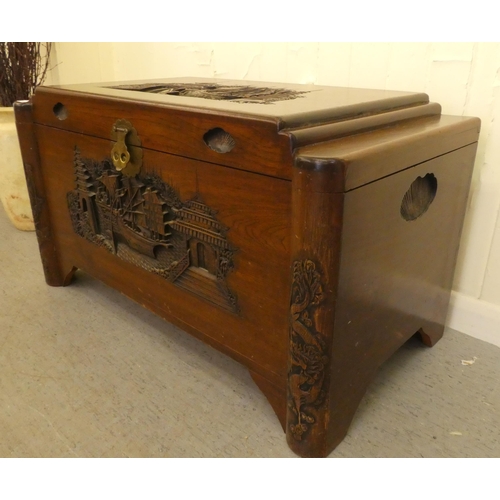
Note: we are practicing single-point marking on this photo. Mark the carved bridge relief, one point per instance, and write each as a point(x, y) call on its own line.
point(143, 221)
point(308, 359)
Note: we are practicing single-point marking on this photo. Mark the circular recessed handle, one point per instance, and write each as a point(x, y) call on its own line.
point(419, 197)
point(218, 140)
point(60, 111)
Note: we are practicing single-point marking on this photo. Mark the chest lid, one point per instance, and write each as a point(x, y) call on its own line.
point(253, 126)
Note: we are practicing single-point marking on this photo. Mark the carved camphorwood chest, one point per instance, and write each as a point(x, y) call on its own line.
point(306, 231)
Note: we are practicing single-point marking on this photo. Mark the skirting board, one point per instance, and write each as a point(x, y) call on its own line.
point(474, 317)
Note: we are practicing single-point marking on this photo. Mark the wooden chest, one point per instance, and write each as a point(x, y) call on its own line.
point(306, 231)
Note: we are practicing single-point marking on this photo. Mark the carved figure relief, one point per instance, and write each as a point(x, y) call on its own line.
point(236, 93)
point(143, 221)
point(307, 349)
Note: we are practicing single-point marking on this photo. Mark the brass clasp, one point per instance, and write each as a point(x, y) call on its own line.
point(119, 153)
point(126, 153)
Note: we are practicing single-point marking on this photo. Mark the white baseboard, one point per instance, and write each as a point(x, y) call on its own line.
point(474, 317)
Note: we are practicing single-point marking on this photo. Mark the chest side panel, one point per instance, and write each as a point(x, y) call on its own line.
point(202, 245)
point(399, 248)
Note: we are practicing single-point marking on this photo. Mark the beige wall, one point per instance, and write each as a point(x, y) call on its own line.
point(463, 77)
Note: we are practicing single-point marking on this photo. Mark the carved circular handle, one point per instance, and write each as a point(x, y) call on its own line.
point(218, 140)
point(60, 111)
point(419, 197)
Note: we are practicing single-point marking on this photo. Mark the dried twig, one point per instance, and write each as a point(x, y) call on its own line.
point(23, 66)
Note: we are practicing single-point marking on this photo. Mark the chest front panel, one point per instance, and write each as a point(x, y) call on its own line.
point(197, 242)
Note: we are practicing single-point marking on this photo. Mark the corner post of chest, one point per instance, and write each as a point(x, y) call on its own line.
point(317, 206)
point(23, 111)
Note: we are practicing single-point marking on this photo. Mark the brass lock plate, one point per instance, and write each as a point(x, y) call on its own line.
point(126, 153)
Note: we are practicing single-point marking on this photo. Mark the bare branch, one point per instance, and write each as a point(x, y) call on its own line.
point(23, 67)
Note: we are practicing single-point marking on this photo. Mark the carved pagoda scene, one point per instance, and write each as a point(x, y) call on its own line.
point(143, 221)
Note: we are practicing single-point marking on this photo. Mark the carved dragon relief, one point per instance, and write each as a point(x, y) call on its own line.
point(143, 221)
point(307, 349)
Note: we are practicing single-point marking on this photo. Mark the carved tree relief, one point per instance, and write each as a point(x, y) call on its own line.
point(143, 221)
point(307, 349)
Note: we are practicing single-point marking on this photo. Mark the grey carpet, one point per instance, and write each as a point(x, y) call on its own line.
point(85, 372)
